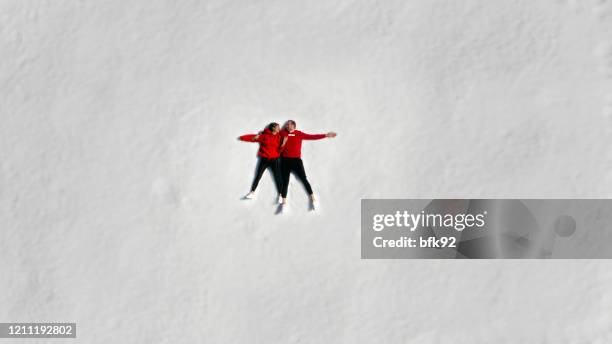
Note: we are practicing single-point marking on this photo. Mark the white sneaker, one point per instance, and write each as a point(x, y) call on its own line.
point(313, 204)
point(284, 208)
point(250, 195)
point(280, 199)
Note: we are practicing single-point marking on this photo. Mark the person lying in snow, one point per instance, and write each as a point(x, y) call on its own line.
point(268, 156)
point(291, 160)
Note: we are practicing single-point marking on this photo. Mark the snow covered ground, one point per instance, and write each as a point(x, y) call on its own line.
point(121, 175)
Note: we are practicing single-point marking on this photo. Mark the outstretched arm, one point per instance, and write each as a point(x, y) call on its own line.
point(249, 138)
point(305, 136)
point(331, 134)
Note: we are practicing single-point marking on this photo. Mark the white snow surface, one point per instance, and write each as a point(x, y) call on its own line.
point(121, 175)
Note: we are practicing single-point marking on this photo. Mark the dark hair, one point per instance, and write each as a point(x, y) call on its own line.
point(292, 122)
point(272, 125)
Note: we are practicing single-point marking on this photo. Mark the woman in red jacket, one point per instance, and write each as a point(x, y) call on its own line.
point(268, 154)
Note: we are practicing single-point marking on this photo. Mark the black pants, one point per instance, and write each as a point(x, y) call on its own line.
point(296, 166)
point(262, 165)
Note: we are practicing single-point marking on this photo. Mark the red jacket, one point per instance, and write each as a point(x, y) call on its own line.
point(269, 144)
point(293, 147)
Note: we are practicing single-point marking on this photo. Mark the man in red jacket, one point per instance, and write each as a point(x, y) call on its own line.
point(269, 152)
point(291, 161)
